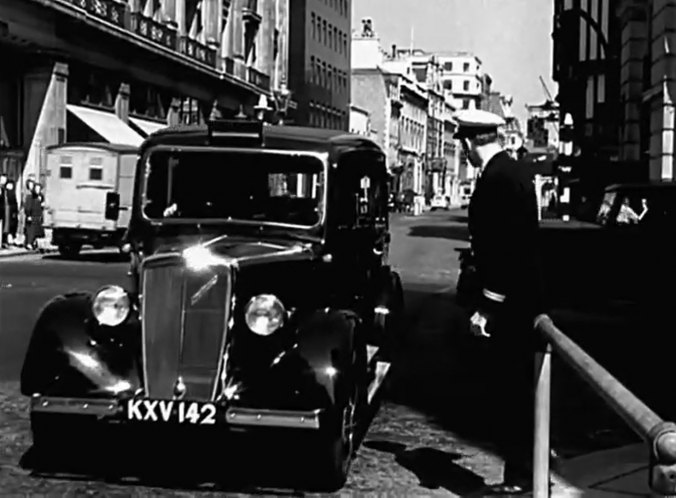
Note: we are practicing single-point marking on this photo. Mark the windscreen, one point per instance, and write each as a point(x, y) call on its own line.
point(253, 186)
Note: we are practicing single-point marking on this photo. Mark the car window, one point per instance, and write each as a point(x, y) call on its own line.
point(606, 207)
point(360, 192)
point(221, 184)
point(660, 209)
point(649, 207)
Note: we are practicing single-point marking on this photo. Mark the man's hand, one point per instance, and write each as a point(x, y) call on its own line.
point(479, 323)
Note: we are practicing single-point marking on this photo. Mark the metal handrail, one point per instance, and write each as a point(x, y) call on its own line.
point(660, 435)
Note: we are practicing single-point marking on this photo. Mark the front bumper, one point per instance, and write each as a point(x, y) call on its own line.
point(233, 416)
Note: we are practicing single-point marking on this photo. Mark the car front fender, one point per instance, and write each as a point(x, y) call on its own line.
point(325, 344)
point(70, 354)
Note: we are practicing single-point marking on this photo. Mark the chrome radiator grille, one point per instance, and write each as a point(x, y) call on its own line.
point(185, 316)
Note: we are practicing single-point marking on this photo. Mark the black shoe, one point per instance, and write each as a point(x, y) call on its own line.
point(521, 487)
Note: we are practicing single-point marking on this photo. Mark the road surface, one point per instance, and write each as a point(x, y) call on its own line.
point(432, 434)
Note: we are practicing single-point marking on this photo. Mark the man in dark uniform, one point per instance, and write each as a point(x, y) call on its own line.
point(503, 226)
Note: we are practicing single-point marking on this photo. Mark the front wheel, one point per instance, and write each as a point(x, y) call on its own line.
point(335, 447)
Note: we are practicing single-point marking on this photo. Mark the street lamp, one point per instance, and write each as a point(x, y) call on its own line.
point(241, 114)
point(262, 107)
point(282, 98)
point(565, 153)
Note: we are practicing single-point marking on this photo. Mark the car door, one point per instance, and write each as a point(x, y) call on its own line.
point(360, 217)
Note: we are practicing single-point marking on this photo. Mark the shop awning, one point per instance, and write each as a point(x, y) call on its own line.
point(108, 125)
point(147, 127)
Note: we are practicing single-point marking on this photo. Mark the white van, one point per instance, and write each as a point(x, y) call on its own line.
point(82, 180)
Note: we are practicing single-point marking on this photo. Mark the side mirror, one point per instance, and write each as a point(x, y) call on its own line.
point(112, 206)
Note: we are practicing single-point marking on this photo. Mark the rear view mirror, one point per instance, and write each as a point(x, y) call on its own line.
point(112, 206)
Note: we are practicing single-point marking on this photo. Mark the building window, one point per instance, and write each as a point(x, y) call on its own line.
point(465, 103)
point(324, 32)
point(66, 172)
point(344, 44)
point(96, 173)
point(465, 67)
point(314, 26)
point(448, 85)
point(330, 77)
point(465, 85)
point(448, 66)
point(313, 69)
point(190, 112)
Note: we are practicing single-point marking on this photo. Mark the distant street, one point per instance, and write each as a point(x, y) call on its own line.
point(431, 436)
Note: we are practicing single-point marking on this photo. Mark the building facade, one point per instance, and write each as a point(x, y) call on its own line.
point(586, 67)
point(115, 71)
point(648, 83)
point(542, 129)
point(319, 62)
point(463, 78)
point(360, 121)
point(614, 62)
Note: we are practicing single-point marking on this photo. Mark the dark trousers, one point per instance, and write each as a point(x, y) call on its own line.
point(512, 358)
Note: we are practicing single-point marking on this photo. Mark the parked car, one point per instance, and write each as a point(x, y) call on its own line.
point(260, 299)
point(440, 201)
point(625, 256)
point(80, 177)
point(466, 189)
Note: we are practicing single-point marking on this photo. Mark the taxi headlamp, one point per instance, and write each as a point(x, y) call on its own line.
point(111, 305)
point(264, 314)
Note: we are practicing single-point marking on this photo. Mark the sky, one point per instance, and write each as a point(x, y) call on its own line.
point(511, 37)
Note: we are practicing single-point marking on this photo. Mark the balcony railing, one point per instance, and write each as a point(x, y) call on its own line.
point(161, 33)
point(108, 10)
point(257, 78)
point(198, 51)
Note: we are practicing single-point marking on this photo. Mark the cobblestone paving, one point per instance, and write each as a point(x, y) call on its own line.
point(411, 448)
point(403, 453)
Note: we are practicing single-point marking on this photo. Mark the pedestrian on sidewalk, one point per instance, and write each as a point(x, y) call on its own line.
point(10, 218)
point(34, 204)
point(503, 227)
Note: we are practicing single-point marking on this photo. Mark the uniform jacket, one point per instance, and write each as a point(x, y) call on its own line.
point(503, 226)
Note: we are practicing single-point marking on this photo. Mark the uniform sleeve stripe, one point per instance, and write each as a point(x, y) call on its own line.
point(494, 296)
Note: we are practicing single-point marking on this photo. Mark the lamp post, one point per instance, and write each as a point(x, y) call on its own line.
point(262, 107)
point(565, 153)
point(282, 97)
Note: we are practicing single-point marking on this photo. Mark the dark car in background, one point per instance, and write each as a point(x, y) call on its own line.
point(261, 299)
point(625, 255)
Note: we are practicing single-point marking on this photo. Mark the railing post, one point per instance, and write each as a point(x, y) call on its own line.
point(663, 459)
point(543, 380)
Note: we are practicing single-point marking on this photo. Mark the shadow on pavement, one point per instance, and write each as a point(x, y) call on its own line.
point(459, 218)
point(92, 257)
point(440, 371)
point(451, 232)
point(434, 468)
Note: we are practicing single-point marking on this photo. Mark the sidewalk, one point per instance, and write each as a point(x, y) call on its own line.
point(617, 472)
point(20, 251)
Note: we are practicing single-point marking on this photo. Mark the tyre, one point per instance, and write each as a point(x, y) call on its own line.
point(70, 249)
point(333, 450)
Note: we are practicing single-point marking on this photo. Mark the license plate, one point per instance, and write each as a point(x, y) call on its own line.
point(174, 411)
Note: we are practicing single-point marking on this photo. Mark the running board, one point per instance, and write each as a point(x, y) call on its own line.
point(382, 367)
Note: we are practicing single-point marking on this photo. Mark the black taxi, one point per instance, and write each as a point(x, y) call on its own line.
point(260, 296)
